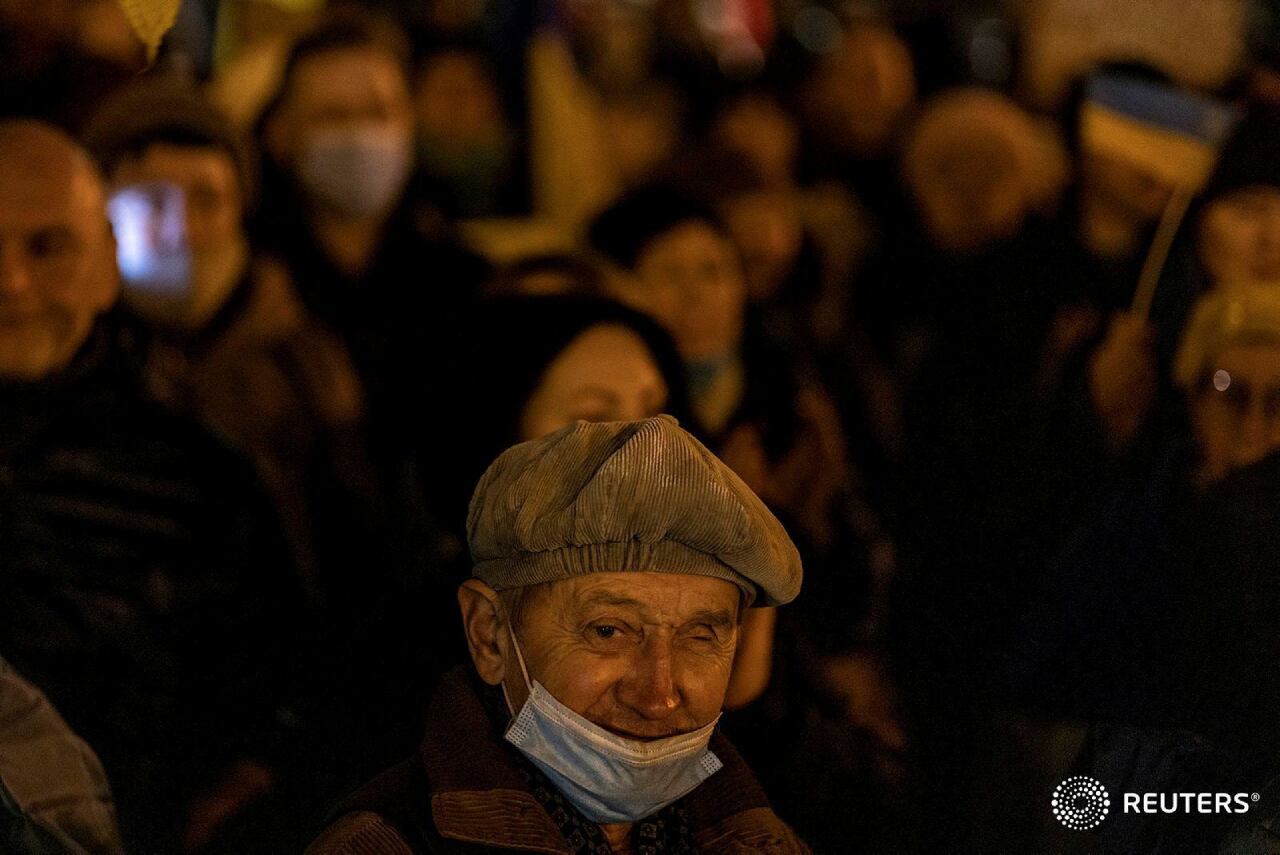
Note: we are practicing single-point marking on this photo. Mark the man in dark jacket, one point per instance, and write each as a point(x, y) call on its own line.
point(612, 566)
point(139, 572)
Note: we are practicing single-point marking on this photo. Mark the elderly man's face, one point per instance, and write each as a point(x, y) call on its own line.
point(57, 268)
point(644, 655)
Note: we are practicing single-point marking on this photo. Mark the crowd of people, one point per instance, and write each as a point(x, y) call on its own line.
point(1004, 364)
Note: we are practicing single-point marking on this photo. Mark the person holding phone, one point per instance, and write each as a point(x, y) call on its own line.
point(226, 337)
point(229, 340)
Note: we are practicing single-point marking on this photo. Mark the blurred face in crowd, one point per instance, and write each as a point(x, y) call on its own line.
point(605, 374)
point(641, 132)
point(1237, 410)
point(970, 194)
point(213, 217)
point(860, 99)
point(767, 229)
point(345, 129)
point(57, 266)
point(1240, 237)
point(757, 127)
point(644, 655)
point(690, 280)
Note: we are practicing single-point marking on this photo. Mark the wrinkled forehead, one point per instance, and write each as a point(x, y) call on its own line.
point(656, 596)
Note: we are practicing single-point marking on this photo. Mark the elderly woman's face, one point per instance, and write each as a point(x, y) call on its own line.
point(606, 374)
point(644, 655)
point(1240, 237)
point(1237, 411)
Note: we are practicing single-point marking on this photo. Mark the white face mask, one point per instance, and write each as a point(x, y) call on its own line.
point(607, 777)
point(357, 171)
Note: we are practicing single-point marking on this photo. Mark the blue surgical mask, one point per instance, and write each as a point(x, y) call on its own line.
point(357, 171)
point(607, 777)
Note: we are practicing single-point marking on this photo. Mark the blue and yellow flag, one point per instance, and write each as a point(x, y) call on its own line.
point(1171, 133)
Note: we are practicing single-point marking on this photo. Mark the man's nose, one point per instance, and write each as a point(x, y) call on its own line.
point(650, 688)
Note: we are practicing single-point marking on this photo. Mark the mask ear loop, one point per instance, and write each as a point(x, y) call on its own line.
point(524, 672)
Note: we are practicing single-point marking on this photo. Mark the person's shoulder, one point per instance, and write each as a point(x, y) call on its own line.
point(360, 833)
point(112, 415)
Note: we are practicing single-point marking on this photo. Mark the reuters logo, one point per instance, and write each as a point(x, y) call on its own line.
point(1081, 803)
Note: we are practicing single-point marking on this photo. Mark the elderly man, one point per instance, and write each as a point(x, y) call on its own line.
point(138, 566)
point(612, 564)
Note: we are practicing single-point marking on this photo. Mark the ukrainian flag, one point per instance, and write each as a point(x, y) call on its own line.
point(1173, 134)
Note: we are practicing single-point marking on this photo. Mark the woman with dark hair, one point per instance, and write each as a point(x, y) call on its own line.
point(541, 363)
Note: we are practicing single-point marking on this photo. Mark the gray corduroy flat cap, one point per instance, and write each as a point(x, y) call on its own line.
point(625, 496)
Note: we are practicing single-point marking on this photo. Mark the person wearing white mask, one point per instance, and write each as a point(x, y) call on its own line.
point(342, 127)
point(612, 564)
point(343, 211)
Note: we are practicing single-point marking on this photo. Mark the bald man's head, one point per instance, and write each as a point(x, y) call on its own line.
point(57, 264)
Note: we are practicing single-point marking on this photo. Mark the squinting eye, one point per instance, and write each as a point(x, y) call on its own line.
point(606, 631)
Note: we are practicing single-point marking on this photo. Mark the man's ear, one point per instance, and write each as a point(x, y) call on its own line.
point(484, 625)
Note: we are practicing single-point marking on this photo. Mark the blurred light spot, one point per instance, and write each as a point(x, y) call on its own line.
point(816, 29)
point(990, 59)
point(1221, 380)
